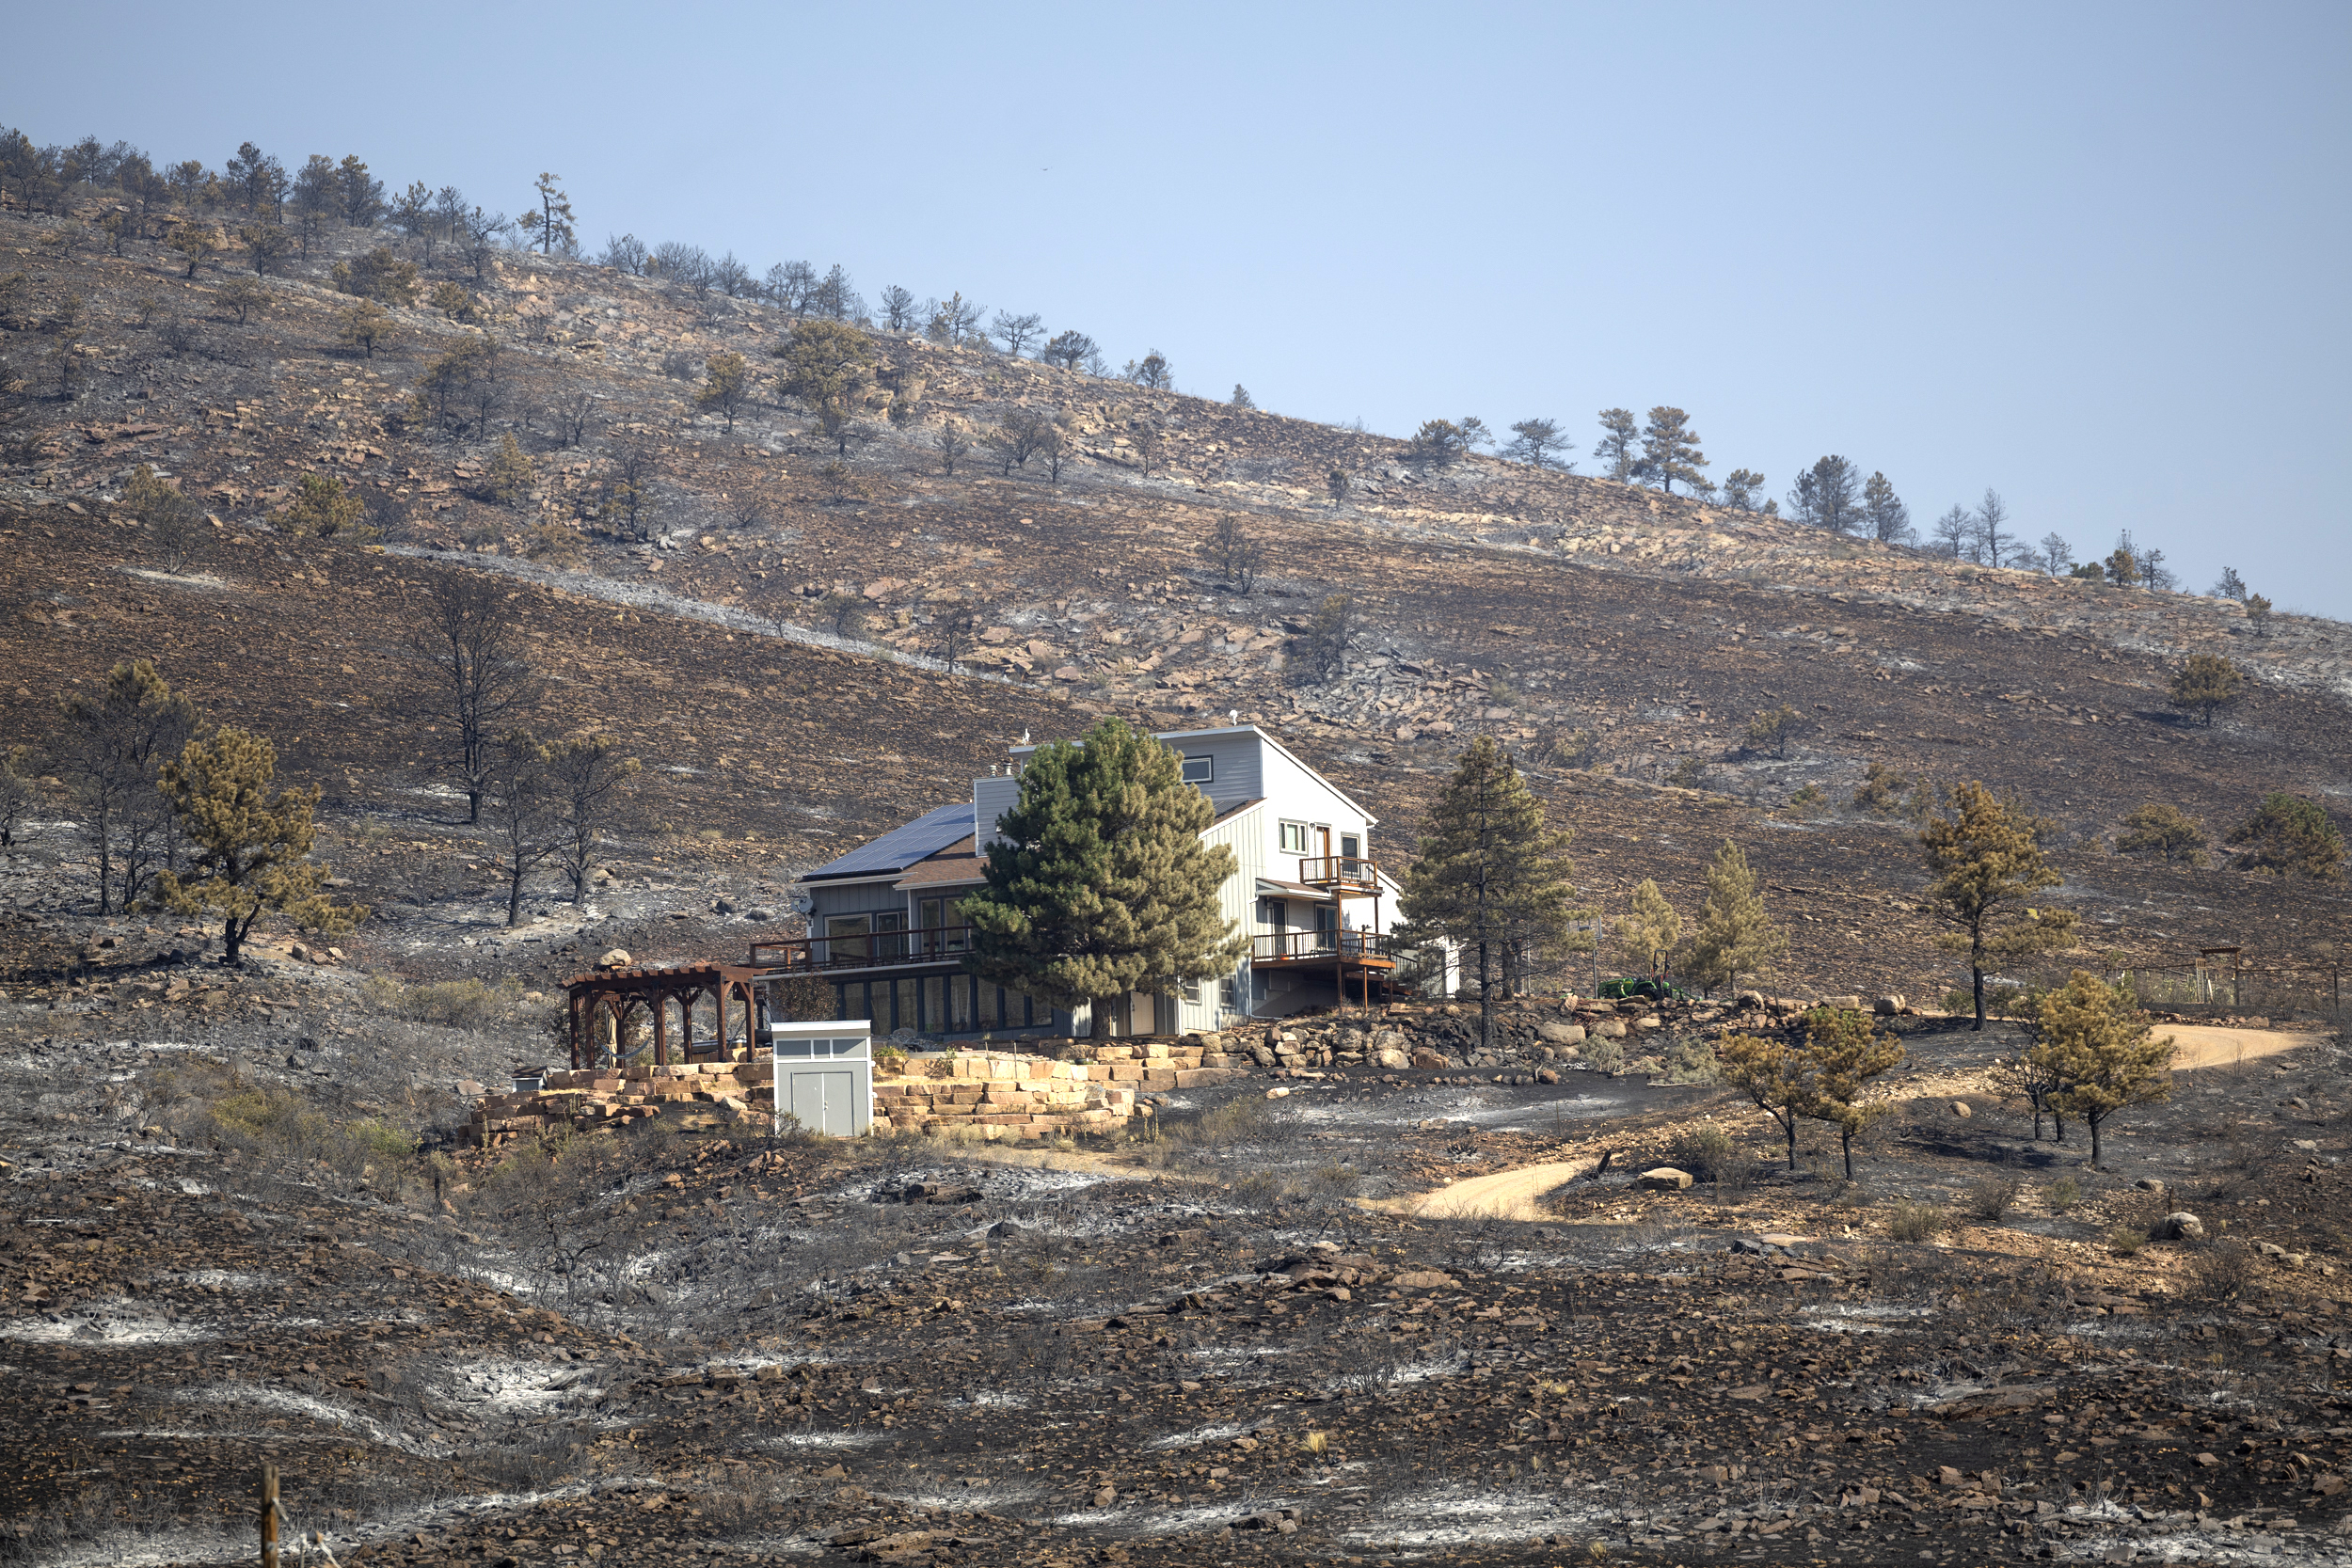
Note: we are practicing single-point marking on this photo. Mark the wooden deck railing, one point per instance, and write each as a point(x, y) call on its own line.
point(1352, 873)
point(927, 944)
point(1320, 948)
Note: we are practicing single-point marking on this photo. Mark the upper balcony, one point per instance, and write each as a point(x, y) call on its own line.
point(1348, 876)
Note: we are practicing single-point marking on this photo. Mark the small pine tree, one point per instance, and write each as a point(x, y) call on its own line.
point(1491, 877)
point(1769, 1072)
point(726, 387)
point(1734, 937)
point(1986, 859)
point(1615, 447)
point(252, 844)
point(2093, 1040)
point(1098, 883)
point(170, 519)
point(1242, 398)
point(2290, 836)
point(362, 325)
point(245, 296)
point(1650, 930)
point(509, 477)
point(1669, 450)
point(1321, 651)
point(453, 302)
point(324, 509)
point(2258, 614)
point(1842, 1057)
point(2206, 682)
point(1881, 791)
point(1438, 442)
point(2168, 830)
point(1772, 729)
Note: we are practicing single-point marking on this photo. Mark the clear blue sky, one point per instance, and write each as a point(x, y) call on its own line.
point(2092, 254)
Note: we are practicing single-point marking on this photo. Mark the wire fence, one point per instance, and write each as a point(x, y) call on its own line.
point(2226, 983)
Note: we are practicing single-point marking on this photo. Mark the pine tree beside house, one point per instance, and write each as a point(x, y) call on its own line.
point(1099, 885)
point(1491, 877)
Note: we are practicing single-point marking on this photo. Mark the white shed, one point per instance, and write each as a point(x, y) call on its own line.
point(825, 1075)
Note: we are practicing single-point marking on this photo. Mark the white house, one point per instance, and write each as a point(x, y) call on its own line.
point(1309, 891)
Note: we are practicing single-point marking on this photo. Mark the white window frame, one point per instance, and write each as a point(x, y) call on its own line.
point(1199, 771)
point(1295, 838)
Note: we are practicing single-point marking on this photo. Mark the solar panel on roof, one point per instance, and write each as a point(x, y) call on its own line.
point(900, 847)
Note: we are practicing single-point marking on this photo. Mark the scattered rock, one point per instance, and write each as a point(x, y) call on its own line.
point(615, 958)
point(2179, 1226)
point(1665, 1178)
point(1960, 1109)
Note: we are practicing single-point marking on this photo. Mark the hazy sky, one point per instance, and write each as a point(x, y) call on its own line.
point(2092, 255)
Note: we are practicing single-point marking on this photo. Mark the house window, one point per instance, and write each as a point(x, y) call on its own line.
point(1293, 838)
point(1228, 993)
point(1190, 990)
point(846, 936)
point(1351, 846)
point(1199, 771)
point(1270, 913)
point(890, 935)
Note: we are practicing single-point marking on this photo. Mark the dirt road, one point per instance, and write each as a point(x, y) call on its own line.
point(2197, 1045)
point(1507, 1194)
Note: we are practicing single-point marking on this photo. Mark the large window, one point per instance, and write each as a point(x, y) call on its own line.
point(846, 936)
point(1199, 771)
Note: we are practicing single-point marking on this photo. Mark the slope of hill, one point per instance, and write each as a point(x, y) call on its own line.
point(238, 1230)
point(1581, 620)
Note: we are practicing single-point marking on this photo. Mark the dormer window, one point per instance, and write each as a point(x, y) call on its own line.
point(1199, 771)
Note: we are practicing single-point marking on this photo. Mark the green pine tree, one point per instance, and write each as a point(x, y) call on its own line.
point(1842, 1055)
point(1987, 861)
point(1099, 884)
point(1650, 930)
point(1734, 937)
point(2206, 682)
point(1490, 876)
point(2092, 1041)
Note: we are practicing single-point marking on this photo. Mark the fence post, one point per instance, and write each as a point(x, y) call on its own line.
point(269, 1516)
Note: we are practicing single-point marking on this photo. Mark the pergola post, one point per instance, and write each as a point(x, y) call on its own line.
point(661, 1028)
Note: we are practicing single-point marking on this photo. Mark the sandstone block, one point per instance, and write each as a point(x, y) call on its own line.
point(2179, 1226)
point(1665, 1178)
point(1887, 1006)
point(1561, 1034)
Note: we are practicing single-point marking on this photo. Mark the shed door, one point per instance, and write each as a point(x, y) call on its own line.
point(822, 1102)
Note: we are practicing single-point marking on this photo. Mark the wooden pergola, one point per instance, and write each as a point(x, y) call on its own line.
point(602, 1004)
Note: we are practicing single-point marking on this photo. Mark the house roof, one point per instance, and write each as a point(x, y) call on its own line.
point(1171, 737)
point(901, 848)
point(958, 863)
